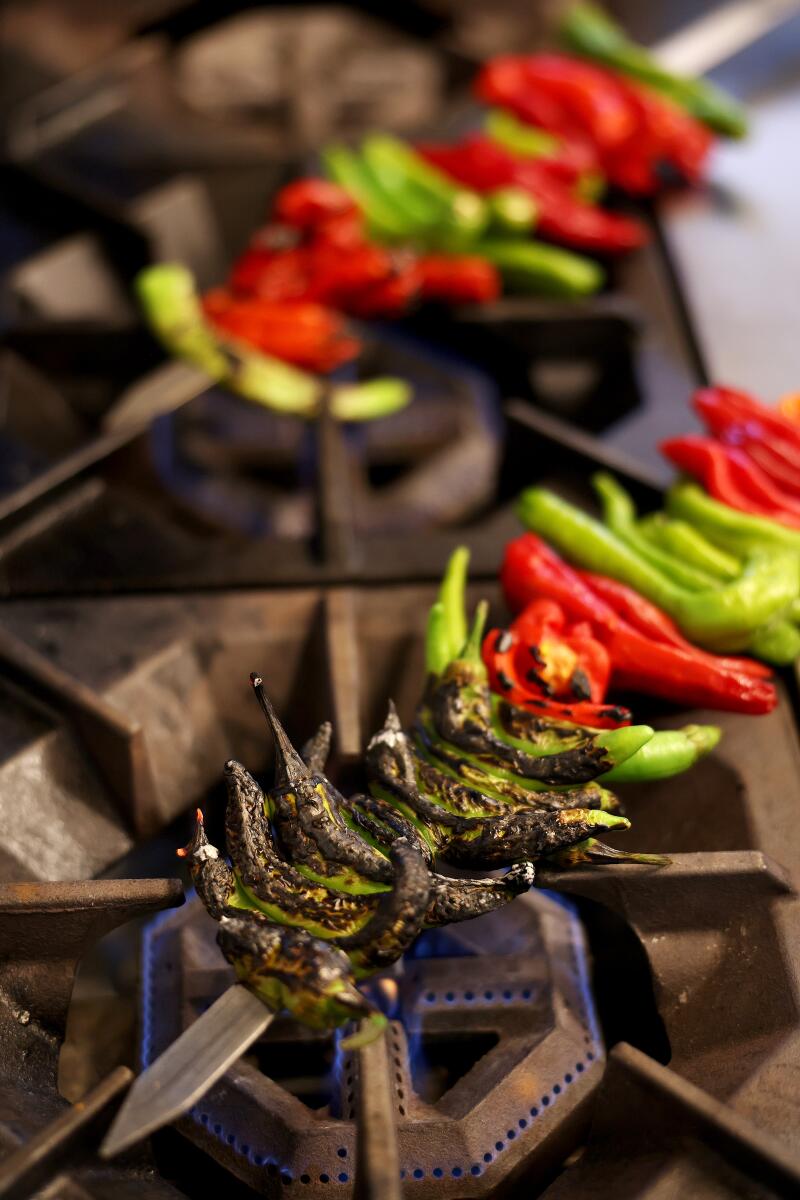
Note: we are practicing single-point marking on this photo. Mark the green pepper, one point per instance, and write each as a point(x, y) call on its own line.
point(589, 31)
point(511, 211)
point(447, 621)
point(440, 215)
point(668, 753)
point(619, 514)
point(682, 539)
point(737, 532)
point(722, 619)
point(591, 851)
point(384, 219)
point(533, 267)
point(171, 306)
point(517, 136)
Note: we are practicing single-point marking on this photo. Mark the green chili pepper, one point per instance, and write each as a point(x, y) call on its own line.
point(440, 215)
point(683, 540)
point(450, 626)
point(737, 532)
point(668, 753)
point(722, 619)
point(619, 514)
point(592, 851)
point(777, 641)
point(533, 267)
point(589, 31)
point(511, 211)
point(386, 222)
point(171, 306)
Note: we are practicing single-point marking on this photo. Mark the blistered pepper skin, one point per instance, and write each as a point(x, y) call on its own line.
point(274, 885)
point(289, 969)
point(306, 811)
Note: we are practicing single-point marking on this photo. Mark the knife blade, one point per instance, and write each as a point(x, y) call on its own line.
point(189, 1067)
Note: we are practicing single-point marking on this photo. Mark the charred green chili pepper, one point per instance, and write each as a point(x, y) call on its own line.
point(306, 811)
point(591, 851)
point(399, 916)
point(483, 842)
point(316, 751)
point(289, 969)
point(724, 618)
point(211, 875)
point(272, 885)
point(286, 968)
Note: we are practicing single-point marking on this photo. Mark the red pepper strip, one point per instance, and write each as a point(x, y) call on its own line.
point(768, 457)
point(729, 475)
point(665, 134)
point(721, 407)
point(554, 652)
point(460, 280)
point(531, 569)
point(655, 624)
point(304, 334)
point(482, 164)
point(501, 651)
point(591, 96)
point(306, 202)
point(502, 81)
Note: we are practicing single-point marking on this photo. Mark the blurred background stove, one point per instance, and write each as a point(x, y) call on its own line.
point(158, 129)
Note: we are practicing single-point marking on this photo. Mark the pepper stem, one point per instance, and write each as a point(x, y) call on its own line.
point(472, 647)
point(289, 766)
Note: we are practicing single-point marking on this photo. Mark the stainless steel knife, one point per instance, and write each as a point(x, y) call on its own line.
point(188, 1068)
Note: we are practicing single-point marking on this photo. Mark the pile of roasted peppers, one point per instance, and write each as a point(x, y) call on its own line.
point(322, 890)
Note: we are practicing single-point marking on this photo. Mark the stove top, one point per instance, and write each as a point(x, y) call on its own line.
point(622, 1030)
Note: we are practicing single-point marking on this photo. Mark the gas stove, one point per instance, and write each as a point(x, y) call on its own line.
point(622, 1030)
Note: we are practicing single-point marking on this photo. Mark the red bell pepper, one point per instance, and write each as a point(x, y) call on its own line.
point(731, 477)
point(483, 165)
point(683, 674)
point(590, 95)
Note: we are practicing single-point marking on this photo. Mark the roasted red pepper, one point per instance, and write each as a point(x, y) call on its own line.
point(307, 203)
point(482, 164)
point(730, 476)
point(457, 279)
point(531, 570)
point(557, 671)
point(307, 335)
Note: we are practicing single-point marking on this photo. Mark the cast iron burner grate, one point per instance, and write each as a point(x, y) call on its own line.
point(509, 991)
